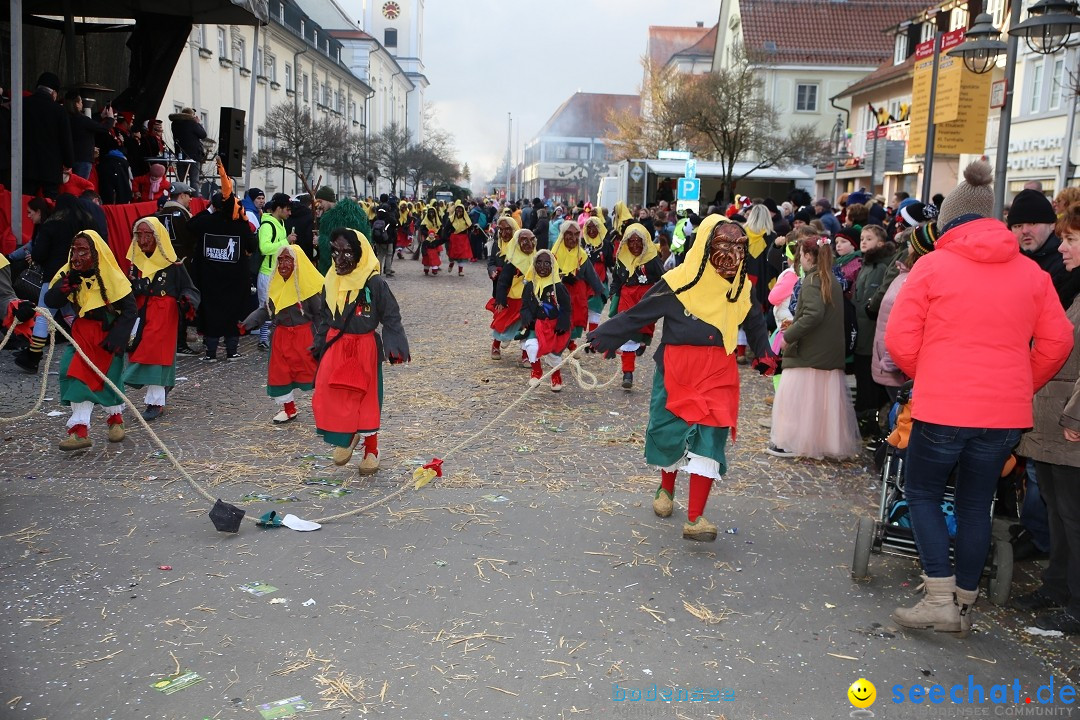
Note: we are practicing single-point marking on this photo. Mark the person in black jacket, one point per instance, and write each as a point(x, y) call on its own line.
point(47, 148)
point(302, 222)
point(545, 317)
point(188, 134)
point(1031, 219)
point(84, 131)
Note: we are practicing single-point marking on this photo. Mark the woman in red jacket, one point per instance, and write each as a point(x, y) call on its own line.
point(977, 357)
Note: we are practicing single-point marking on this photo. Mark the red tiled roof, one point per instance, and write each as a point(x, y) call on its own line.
point(825, 32)
point(882, 76)
point(666, 41)
point(586, 114)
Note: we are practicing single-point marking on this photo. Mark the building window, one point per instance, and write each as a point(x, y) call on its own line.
point(241, 52)
point(222, 44)
point(288, 76)
point(281, 13)
point(1035, 103)
point(352, 111)
point(900, 53)
point(958, 18)
point(1057, 81)
point(305, 87)
point(326, 94)
point(205, 119)
point(390, 38)
point(996, 8)
point(927, 30)
point(260, 62)
point(199, 34)
point(806, 97)
point(271, 68)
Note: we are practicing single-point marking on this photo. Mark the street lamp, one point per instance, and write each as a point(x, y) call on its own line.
point(1050, 25)
point(1048, 29)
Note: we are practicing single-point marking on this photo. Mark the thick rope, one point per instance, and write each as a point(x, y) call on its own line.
point(579, 373)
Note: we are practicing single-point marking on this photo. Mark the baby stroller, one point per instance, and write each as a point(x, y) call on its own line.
point(891, 533)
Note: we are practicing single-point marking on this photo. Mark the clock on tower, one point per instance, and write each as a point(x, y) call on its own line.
point(391, 10)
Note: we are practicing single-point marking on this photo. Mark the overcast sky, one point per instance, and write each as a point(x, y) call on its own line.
point(487, 58)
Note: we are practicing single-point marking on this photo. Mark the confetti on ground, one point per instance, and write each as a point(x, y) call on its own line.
point(174, 683)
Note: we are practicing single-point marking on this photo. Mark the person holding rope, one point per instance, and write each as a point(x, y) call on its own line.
point(163, 292)
point(695, 394)
point(545, 317)
point(637, 269)
point(578, 276)
point(294, 300)
point(506, 307)
point(104, 314)
point(347, 403)
point(12, 309)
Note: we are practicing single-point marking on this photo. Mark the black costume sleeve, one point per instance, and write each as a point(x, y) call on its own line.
point(321, 325)
point(7, 291)
point(502, 288)
point(616, 331)
point(618, 278)
point(593, 279)
point(54, 298)
point(529, 307)
point(260, 315)
point(185, 288)
point(313, 307)
point(121, 328)
point(654, 269)
point(395, 344)
point(562, 295)
point(757, 332)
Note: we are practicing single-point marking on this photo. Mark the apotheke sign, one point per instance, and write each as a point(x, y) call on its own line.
point(1035, 153)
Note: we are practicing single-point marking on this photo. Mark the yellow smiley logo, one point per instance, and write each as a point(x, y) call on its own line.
point(862, 693)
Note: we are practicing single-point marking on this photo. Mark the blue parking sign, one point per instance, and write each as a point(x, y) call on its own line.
point(688, 189)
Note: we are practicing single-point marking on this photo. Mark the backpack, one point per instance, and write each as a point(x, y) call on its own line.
point(378, 232)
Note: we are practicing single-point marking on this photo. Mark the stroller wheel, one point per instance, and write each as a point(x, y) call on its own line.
point(864, 541)
point(999, 585)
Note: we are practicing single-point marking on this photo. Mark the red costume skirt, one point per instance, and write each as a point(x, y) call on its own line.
point(551, 342)
point(158, 344)
point(432, 257)
point(503, 320)
point(601, 272)
point(629, 296)
point(403, 237)
point(88, 335)
point(291, 365)
point(346, 398)
point(702, 384)
point(460, 248)
point(579, 303)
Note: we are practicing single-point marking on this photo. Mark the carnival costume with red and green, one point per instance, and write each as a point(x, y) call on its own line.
point(163, 290)
point(695, 394)
point(506, 322)
point(347, 403)
point(292, 306)
point(602, 256)
point(104, 316)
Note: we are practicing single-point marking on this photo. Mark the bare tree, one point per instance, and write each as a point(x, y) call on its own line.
point(728, 108)
point(355, 161)
point(660, 124)
point(426, 167)
point(390, 147)
point(300, 142)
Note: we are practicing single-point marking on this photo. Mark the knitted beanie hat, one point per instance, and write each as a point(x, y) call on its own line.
point(973, 196)
point(1030, 206)
point(924, 237)
point(327, 193)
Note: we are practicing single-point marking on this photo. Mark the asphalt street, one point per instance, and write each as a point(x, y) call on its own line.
point(532, 581)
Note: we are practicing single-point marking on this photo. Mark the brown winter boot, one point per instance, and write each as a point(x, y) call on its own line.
point(966, 600)
point(936, 610)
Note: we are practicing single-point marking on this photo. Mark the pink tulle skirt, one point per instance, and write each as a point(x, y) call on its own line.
point(813, 416)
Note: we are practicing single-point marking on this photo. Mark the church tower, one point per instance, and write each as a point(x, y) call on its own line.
point(399, 26)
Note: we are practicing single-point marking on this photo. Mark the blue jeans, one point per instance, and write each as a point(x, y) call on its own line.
point(82, 169)
point(933, 451)
point(1033, 512)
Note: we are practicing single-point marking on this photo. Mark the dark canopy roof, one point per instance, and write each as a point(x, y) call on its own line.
point(231, 12)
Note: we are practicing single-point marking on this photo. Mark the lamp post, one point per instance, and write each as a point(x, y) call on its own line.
point(839, 152)
point(1047, 30)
